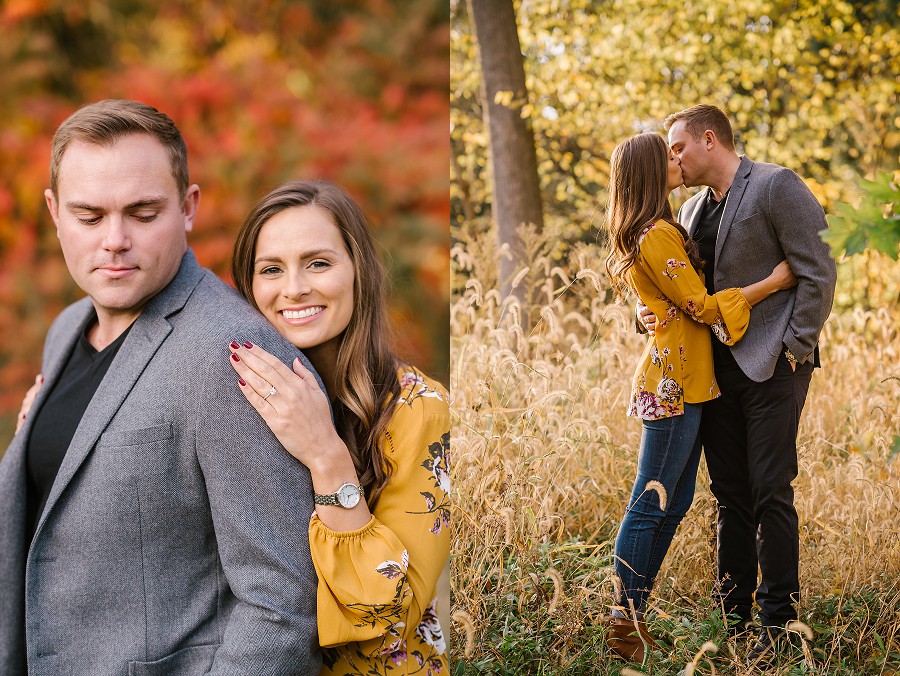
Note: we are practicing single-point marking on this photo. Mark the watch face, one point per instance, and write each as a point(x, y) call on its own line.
point(348, 496)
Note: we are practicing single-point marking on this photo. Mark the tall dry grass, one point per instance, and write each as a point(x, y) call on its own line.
point(545, 458)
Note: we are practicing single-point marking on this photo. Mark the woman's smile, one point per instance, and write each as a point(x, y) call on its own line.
point(295, 316)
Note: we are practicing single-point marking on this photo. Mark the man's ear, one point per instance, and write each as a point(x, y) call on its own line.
point(710, 137)
point(189, 206)
point(53, 207)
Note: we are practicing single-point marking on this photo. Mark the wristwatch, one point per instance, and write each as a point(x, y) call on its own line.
point(790, 356)
point(347, 496)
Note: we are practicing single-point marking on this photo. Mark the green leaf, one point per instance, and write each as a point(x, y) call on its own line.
point(871, 225)
point(885, 240)
point(882, 189)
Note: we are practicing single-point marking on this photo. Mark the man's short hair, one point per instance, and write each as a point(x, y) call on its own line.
point(105, 122)
point(699, 118)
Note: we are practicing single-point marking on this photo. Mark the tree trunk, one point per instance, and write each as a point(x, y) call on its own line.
point(516, 190)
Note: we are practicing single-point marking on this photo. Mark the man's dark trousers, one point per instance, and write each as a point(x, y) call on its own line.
point(749, 437)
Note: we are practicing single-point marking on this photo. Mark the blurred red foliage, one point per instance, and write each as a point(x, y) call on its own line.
point(350, 91)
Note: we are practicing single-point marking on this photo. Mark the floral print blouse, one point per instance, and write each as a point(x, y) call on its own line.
point(376, 596)
point(677, 364)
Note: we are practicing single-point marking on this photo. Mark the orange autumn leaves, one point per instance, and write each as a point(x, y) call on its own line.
point(353, 92)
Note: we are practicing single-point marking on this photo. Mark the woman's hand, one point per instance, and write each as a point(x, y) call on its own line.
point(28, 401)
point(782, 276)
point(297, 411)
point(646, 317)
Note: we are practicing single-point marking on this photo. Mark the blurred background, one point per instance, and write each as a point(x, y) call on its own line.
point(350, 91)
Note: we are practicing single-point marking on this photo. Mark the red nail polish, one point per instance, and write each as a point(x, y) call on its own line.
point(248, 344)
point(234, 345)
point(241, 382)
point(234, 357)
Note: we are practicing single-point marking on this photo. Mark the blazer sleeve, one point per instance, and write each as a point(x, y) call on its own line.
point(798, 218)
point(261, 502)
point(664, 260)
point(377, 584)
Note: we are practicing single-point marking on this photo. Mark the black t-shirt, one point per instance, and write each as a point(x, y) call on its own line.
point(705, 235)
point(58, 418)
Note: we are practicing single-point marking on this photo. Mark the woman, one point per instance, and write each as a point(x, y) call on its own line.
point(380, 534)
point(652, 255)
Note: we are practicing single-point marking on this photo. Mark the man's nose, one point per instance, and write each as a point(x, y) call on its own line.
point(116, 237)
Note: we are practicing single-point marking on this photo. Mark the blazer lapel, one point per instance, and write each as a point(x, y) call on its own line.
point(57, 357)
point(147, 335)
point(733, 201)
point(692, 214)
point(13, 494)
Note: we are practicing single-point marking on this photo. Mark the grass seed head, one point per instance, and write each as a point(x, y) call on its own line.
point(655, 485)
point(467, 624)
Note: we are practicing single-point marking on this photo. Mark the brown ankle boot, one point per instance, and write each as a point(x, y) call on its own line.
point(625, 641)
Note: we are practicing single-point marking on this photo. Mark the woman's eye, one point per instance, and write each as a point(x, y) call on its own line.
point(271, 270)
point(320, 265)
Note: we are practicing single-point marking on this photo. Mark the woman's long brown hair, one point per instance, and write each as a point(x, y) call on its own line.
point(366, 371)
point(638, 197)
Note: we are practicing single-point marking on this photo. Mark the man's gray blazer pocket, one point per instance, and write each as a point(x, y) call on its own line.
point(145, 435)
point(749, 220)
point(754, 228)
point(139, 456)
point(191, 661)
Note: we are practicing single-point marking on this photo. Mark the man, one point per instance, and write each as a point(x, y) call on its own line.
point(149, 521)
point(751, 216)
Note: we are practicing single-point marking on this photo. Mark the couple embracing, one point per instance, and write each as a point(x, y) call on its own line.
point(734, 293)
point(209, 484)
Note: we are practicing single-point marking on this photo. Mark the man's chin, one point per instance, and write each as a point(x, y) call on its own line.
point(119, 301)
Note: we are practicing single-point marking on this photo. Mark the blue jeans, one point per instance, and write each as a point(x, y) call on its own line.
point(670, 455)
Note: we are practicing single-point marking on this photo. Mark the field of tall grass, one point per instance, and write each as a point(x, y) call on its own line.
point(545, 458)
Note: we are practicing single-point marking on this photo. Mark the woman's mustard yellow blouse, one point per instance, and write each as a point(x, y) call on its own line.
point(677, 364)
point(377, 609)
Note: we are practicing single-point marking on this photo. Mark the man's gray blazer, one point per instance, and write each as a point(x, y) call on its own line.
point(174, 540)
point(770, 215)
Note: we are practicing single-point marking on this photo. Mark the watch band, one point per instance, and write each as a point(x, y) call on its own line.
point(334, 498)
point(329, 499)
point(790, 356)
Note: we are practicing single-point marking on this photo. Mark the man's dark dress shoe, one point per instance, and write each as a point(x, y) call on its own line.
point(768, 643)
